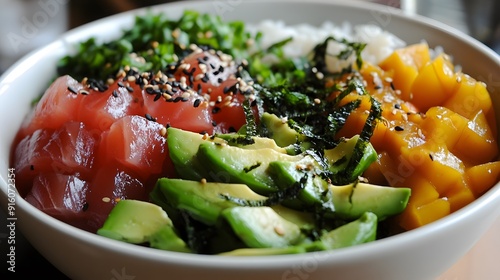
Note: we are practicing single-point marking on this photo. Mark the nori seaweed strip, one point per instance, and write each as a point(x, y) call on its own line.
point(196, 234)
point(251, 125)
point(364, 138)
point(272, 199)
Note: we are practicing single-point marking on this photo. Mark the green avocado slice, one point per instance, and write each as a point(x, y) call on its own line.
point(353, 200)
point(204, 201)
point(137, 222)
point(359, 231)
point(262, 227)
point(230, 164)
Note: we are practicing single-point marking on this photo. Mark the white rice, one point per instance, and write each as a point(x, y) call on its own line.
point(380, 43)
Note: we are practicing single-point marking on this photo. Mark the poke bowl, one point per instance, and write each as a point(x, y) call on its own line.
point(391, 68)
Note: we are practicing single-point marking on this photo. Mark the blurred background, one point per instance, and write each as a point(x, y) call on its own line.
point(29, 24)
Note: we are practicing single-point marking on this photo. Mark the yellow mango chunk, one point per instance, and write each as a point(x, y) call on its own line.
point(483, 176)
point(405, 64)
point(401, 135)
point(469, 98)
point(459, 195)
point(422, 191)
point(433, 84)
point(476, 144)
point(417, 216)
point(437, 164)
point(445, 72)
point(443, 126)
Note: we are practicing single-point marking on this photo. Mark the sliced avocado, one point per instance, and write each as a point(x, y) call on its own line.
point(251, 143)
point(279, 130)
point(182, 148)
point(356, 232)
point(338, 158)
point(305, 172)
point(137, 222)
point(204, 201)
point(353, 200)
point(231, 164)
point(262, 227)
point(305, 220)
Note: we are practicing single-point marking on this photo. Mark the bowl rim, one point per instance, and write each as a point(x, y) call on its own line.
point(344, 254)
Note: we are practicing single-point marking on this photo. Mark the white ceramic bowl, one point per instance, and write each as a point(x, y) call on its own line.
point(423, 253)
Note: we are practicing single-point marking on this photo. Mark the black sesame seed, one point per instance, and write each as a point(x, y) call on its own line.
point(398, 128)
point(120, 84)
point(150, 90)
point(130, 89)
point(214, 123)
point(397, 106)
point(177, 99)
point(431, 157)
point(232, 129)
point(32, 167)
point(158, 96)
point(392, 86)
point(205, 78)
point(115, 93)
point(72, 90)
point(167, 125)
point(378, 87)
point(197, 103)
point(150, 118)
point(85, 206)
point(220, 80)
point(215, 110)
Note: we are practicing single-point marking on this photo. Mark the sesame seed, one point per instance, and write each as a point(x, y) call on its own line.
point(115, 93)
point(150, 118)
point(163, 131)
point(398, 128)
point(106, 199)
point(203, 181)
point(197, 103)
point(279, 230)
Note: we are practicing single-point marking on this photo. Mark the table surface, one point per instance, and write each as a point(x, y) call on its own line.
point(481, 262)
